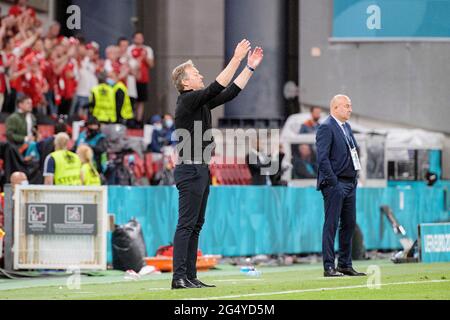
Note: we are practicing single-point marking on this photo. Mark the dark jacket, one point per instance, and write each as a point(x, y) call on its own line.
point(333, 154)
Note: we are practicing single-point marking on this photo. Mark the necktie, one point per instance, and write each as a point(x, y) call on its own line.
point(345, 130)
point(347, 136)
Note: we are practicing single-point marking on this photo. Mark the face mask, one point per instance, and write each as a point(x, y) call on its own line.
point(92, 132)
point(158, 126)
point(169, 123)
point(110, 81)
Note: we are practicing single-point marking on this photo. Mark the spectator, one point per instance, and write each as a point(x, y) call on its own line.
point(169, 127)
point(53, 36)
point(112, 64)
point(3, 87)
point(277, 177)
point(311, 125)
point(67, 72)
point(304, 166)
point(125, 59)
point(160, 136)
point(18, 178)
point(145, 58)
point(89, 175)
point(97, 141)
point(21, 124)
point(34, 83)
point(47, 146)
point(86, 81)
point(19, 7)
point(257, 160)
point(62, 167)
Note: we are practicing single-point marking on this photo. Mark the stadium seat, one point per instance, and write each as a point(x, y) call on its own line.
point(46, 130)
point(135, 133)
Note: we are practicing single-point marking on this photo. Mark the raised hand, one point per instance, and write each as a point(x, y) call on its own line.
point(255, 57)
point(241, 49)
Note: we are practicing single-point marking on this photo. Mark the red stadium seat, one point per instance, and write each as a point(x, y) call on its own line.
point(135, 133)
point(229, 172)
point(46, 130)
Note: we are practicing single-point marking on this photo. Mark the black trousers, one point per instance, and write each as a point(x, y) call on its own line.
point(192, 182)
point(340, 211)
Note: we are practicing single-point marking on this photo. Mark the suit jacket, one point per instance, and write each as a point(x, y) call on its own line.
point(333, 154)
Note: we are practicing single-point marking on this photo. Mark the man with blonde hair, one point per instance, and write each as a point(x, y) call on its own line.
point(338, 163)
point(192, 177)
point(62, 167)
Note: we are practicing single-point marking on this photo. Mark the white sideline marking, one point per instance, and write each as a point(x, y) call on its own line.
point(76, 292)
point(158, 289)
point(314, 290)
point(236, 280)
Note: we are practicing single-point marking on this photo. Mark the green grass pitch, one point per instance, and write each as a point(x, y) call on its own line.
point(300, 281)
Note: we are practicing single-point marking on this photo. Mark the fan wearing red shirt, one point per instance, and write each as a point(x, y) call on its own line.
point(34, 84)
point(66, 69)
point(19, 7)
point(145, 57)
point(68, 86)
point(2, 79)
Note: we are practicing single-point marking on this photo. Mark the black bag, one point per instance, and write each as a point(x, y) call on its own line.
point(128, 247)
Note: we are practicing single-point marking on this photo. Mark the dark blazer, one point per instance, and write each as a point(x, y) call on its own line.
point(333, 154)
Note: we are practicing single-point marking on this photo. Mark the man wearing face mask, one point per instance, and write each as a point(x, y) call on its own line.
point(160, 137)
point(169, 126)
point(93, 137)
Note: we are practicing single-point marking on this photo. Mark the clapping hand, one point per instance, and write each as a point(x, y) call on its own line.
point(255, 57)
point(241, 49)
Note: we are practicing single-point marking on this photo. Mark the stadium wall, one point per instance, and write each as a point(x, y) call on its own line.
point(271, 220)
point(405, 82)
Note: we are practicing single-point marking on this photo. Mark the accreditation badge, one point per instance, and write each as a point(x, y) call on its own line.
point(355, 159)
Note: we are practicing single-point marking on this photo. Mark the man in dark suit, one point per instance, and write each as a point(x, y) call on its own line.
point(194, 147)
point(338, 164)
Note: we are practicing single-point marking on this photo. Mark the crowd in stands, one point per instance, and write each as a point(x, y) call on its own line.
point(45, 75)
point(47, 78)
point(58, 73)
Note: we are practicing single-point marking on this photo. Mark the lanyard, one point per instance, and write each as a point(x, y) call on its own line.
point(348, 138)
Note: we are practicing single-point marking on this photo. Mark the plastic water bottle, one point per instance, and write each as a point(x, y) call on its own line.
point(246, 269)
point(254, 273)
point(250, 271)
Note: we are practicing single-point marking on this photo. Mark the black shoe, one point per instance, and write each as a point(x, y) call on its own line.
point(183, 284)
point(350, 272)
point(332, 273)
point(201, 284)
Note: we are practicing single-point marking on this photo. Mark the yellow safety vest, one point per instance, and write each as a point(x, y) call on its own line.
point(90, 175)
point(105, 103)
point(126, 112)
point(67, 168)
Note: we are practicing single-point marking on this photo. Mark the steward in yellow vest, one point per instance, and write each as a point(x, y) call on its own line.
point(62, 167)
point(124, 109)
point(90, 175)
point(103, 103)
point(67, 168)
